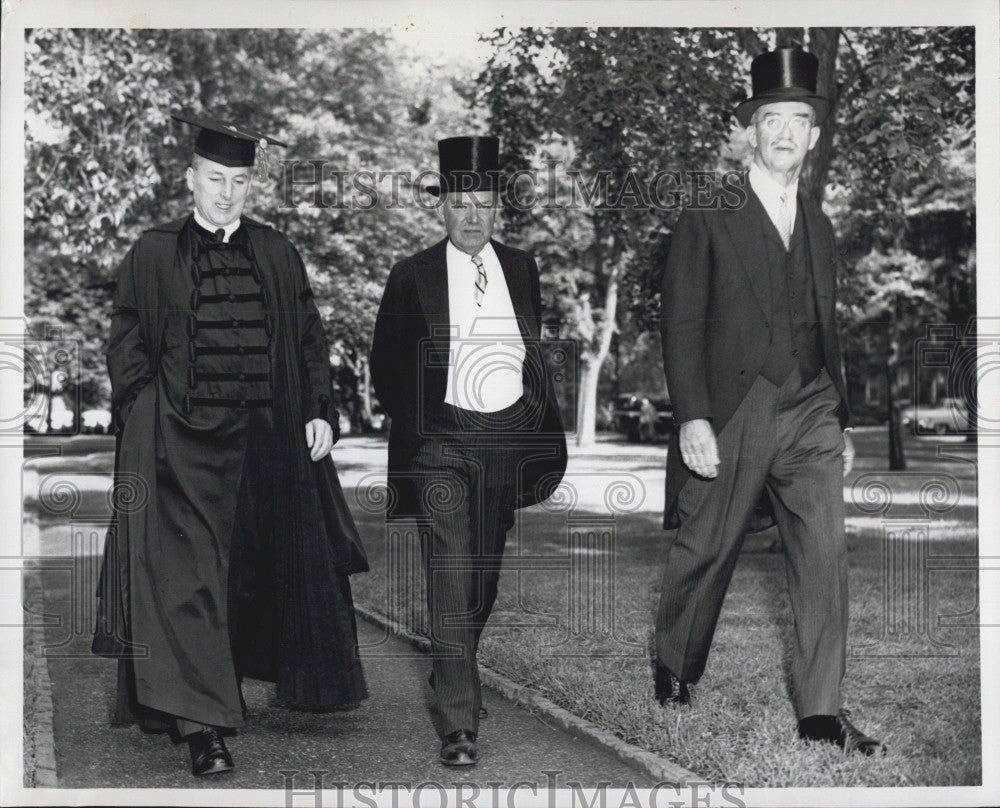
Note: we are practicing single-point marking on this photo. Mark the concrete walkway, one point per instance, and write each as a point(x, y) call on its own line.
point(390, 739)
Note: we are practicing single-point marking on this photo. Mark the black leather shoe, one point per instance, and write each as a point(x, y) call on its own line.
point(208, 753)
point(669, 688)
point(839, 730)
point(430, 680)
point(459, 748)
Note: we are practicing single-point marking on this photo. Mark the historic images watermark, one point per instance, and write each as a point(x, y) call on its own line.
point(311, 789)
point(582, 557)
point(319, 184)
point(911, 508)
point(914, 510)
point(49, 366)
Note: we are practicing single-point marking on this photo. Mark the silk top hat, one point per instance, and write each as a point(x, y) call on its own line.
point(224, 142)
point(468, 163)
point(786, 74)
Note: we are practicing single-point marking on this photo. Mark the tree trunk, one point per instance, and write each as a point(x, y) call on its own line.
point(586, 410)
point(897, 458)
point(365, 391)
point(592, 361)
point(967, 386)
point(823, 43)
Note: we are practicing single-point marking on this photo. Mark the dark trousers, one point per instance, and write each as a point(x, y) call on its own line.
point(788, 442)
point(251, 556)
point(468, 495)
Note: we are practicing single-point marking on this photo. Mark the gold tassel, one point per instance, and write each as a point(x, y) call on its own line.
point(261, 158)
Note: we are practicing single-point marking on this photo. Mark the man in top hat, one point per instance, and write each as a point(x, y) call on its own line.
point(753, 365)
point(476, 431)
point(231, 543)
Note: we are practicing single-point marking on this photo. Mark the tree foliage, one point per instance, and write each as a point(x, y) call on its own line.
point(104, 160)
point(93, 133)
point(631, 101)
point(894, 167)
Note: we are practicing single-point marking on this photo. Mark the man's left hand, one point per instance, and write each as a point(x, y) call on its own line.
point(848, 453)
point(319, 439)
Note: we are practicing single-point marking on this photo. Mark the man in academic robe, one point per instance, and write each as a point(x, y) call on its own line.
point(753, 365)
point(231, 541)
point(476, 431)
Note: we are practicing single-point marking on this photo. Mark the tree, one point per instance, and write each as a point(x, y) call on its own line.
point(96, 106)
point(656, 98)
point(104, 161)
point(907, 110)
point(607, 104)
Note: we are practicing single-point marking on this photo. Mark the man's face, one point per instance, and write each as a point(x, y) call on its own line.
point(781, 134)
point(469, 217)
point(220, 192)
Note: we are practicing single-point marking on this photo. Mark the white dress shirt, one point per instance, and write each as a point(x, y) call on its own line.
point(486, 352)
point(769, 192)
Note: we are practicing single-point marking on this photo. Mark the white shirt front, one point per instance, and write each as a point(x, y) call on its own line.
point(769, 192)
point(486, 351)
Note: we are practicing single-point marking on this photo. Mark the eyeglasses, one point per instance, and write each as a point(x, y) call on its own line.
point(774, 123)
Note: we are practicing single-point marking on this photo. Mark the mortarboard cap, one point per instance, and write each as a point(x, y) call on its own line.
point(225, 142)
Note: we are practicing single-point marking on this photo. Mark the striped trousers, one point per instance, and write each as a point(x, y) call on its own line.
point(785, 440)
point(468, 491)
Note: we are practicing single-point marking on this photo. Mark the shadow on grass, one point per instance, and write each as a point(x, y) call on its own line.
point(584, 643)
point(913, 668)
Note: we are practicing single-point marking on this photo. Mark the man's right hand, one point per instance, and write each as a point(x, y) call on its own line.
point(698, 448)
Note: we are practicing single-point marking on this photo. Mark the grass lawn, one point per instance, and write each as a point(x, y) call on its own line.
point(913, 667)
point(574, 618)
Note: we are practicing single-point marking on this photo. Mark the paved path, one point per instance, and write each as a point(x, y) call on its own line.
point(390, 738)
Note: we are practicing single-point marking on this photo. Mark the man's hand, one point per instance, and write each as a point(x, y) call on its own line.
point(848, 453)
point(319, 439)
point(698, 449)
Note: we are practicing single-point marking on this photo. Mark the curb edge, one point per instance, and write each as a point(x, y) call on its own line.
point(660, 768)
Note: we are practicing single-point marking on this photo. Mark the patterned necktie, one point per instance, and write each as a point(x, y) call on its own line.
point(784, 221)
point(480, 279)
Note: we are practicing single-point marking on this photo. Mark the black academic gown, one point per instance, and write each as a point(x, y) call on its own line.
point(163, 595)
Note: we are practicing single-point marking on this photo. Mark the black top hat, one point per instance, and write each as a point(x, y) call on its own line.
point(786, 74)
point(468, 163)
point(224, 142)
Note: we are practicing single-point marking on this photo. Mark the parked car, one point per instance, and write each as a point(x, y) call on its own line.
point(95, 422)
point(656, 423)
point(948, 415)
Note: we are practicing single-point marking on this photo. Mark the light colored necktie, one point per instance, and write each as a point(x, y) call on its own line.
point(480, 279)
point(784, 221)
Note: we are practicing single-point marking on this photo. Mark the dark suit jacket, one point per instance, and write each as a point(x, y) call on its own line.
point(715, 317)
point(409, 365)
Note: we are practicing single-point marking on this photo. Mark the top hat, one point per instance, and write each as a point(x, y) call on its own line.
point(468, 163)
point(786, 74)
point(224, 142)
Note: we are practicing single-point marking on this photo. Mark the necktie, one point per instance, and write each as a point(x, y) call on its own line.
point(784, 221)
point(480, 279)
point(220, 234)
